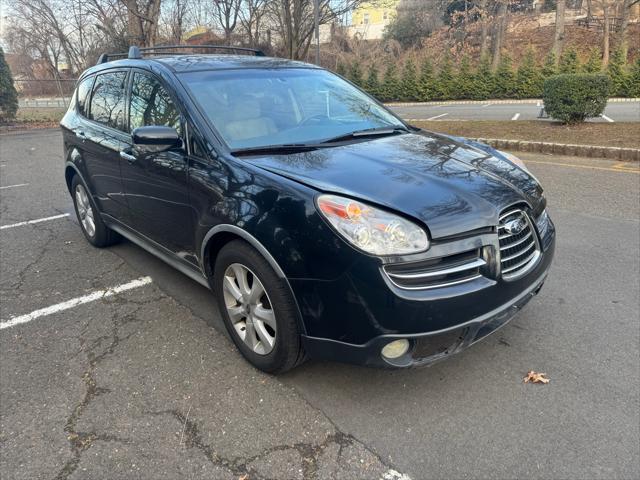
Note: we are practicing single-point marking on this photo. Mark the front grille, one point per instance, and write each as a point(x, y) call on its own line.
point(437, 272)
point(519, 247)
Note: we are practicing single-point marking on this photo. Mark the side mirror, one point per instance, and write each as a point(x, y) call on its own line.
point(155, 139)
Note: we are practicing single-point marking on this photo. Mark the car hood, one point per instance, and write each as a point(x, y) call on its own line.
point(449, 184)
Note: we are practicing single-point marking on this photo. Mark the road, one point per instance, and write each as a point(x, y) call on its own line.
point(144, 383)
point(615, 111)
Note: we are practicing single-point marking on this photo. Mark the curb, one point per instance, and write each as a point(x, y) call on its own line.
point(493, 102)
point(612, 153)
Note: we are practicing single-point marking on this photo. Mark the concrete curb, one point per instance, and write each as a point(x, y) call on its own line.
point(493, 102)
point(612, 153)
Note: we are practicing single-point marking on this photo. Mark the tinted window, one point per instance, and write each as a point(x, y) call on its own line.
point(107, 100)
point(151, 104)
point(82, 95)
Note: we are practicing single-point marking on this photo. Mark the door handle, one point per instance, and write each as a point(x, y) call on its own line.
point(81, 135)
point(127, 156)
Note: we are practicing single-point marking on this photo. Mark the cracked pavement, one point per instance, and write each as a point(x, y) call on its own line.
point(146, 384)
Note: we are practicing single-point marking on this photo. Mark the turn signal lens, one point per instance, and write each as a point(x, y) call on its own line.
point(370, 229)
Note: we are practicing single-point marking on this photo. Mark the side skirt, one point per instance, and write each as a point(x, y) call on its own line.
point(156, 249)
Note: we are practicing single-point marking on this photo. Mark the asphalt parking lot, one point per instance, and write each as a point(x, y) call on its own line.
point(627, 111)
point(142, 382)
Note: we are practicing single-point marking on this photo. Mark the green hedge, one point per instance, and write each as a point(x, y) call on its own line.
point(465, 81)
point(574, 97)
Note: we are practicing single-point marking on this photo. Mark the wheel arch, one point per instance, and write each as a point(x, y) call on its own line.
point(218, 236)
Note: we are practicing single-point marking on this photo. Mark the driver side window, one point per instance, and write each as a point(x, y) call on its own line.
point(151, 104)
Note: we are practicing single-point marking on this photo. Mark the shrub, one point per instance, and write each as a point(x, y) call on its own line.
point(549, 68)
point(426, 82)
point(355, 74)
point(571, 98)
point(8, 94)
point(409, 83)
point(444, 83)
point(529, 79)
point(505, 79)
point(389, 88)
point(569, 62)
point(463, 82)
point(634, 79)
point(483, 80)
point(594, 63)
point(371, 84)
point(617, 75)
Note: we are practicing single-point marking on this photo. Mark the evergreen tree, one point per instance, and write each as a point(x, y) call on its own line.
point(8, 94)
point(355, 74)
point(463, 82)
point(505, 79)
point(549, 68)
point(617, 74)
point(594, 63)
point(529, 78)
point(426, 82)
point(569, 62)
point(341, 70)
point(371, 84)
point(634, 79)
point(409, 82)
point(483, 80)
point(389, 90)
point(444, 84)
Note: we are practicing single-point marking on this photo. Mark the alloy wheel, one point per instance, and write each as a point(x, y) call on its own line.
point(249, 308)
point(85, 211)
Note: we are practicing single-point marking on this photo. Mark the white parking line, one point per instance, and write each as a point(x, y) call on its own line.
point(74, 302)
point(437, 116)
point(14, 186)
point(30, 222)
point(487, 105)
point(392, 474)
point(610, 120)
point(516, 116)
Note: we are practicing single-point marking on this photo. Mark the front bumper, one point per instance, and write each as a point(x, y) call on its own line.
point(425, 348)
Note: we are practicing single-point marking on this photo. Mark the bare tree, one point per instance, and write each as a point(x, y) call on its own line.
point(226, 14)
point(558, 39)
point(142, 18)
point(252, 13)
point(174, 22)
point(500, 30)
point(484, 28)
point(623, 34)
point(293, 21)
point(606, 33)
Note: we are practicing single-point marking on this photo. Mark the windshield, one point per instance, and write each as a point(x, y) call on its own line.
point(260, 108)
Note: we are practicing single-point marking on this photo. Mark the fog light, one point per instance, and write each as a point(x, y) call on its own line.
point(396, 349)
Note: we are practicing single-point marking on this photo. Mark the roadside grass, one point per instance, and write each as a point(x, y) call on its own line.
point(32, 118)
point(623, 134)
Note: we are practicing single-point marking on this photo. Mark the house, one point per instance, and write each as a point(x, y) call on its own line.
point(369, 20)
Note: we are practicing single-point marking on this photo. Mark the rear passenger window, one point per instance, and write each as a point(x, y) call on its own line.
point(82, 95)
point(151, 104)
point(108, 100)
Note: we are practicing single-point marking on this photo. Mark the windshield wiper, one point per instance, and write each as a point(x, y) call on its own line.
point(368, 132)
point(284, 149)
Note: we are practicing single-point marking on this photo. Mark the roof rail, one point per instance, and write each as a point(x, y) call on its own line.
point(137, 52)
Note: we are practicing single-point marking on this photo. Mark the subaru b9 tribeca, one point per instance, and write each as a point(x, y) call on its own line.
point(326, 226)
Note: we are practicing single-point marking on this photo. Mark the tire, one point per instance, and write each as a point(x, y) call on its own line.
point(89, 218)
point(253, 318)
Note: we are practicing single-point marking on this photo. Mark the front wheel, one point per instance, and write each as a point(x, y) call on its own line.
point(257, 308)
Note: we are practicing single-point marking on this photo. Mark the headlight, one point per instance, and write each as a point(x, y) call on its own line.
point(543, 223)
point(375, 231)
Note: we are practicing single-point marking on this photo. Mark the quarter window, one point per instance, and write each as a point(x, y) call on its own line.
point(108, 100)
point(82, 95)
point(151, 104)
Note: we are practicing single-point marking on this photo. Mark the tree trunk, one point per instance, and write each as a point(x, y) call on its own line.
point(623, 35)
point(558, 40)
point(500, 29)
point(606, 35)
point(484, 45)
point(134, 24)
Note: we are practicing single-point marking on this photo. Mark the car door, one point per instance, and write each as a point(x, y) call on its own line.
point(156, 185)
point(101, 132)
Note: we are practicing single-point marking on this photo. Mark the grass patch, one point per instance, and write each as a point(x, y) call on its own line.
point(32, 118)
point(623, 134)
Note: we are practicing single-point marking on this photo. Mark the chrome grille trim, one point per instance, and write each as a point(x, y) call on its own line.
point(519, 252)
point(435, 273)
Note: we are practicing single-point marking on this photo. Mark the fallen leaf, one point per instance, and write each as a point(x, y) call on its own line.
point(535, 377)
point(244, 477)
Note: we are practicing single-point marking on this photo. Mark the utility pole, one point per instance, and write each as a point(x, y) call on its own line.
point(316, 12)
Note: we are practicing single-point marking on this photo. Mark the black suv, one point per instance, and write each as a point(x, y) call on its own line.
point(325, 225)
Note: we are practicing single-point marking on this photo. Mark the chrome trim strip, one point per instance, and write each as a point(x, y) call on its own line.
point(519, 254)
point(514, 244)
point(520, 264)
point(479, 262)
point(510, 212)
point(440, 285)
